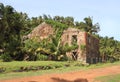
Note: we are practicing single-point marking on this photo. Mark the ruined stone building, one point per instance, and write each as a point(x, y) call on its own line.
point(88, 45)
point(42, 31)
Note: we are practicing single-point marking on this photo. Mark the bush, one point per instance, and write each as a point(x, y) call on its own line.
point(62, 58)
point(6, 57)
point(79, 64)
point(42, 57)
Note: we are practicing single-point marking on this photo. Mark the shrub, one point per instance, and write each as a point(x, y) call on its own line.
point(62, 58)
point(42, 57)
point(6, 57)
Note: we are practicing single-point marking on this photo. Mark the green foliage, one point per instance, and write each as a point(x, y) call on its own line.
point(42, 57)
point(88, 26)
point(21, 66)
point(6, 57)
point(10, 28)
point(56, 24)
point(67, 48)
point(110, 48)
point(63, 58)
point(82, 47)
point(33, 49)
point(59, 28)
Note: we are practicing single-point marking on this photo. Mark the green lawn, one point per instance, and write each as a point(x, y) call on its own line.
point(15, 65)
point(50, 67)
point(110, 78)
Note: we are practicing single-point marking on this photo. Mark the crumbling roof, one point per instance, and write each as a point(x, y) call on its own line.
point(41, 31)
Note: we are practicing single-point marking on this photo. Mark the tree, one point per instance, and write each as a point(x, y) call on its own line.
point(10, 29)
point(109, 48)
point(69, 21)
point(88, 26)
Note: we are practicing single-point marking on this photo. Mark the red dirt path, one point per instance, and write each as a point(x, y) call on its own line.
point(79, 76)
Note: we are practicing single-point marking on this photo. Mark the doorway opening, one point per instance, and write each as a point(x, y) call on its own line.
point(74, 55)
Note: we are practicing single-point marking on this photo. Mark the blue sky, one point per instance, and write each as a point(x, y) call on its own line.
point(105, 12)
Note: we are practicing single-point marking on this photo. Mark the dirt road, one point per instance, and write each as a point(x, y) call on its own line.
point(79, 76)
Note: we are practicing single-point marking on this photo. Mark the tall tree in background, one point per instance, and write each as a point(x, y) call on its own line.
point(10, 27)
point(88, 26)
point(109, 48)
point(1, 23)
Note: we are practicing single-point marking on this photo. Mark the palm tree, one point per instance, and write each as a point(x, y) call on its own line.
point(88, 26)
point(69, 21)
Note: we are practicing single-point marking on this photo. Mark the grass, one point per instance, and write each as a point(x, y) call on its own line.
point(40, 72)
point(63, 67)
point(15, 65)
point(110, 78)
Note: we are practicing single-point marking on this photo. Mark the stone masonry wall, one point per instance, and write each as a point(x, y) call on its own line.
point(90, 53)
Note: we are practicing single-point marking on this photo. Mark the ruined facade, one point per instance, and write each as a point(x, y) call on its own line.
point(42, 31)
point(88, 46)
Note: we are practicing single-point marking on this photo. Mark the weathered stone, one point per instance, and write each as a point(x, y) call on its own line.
point(90, 51)
point(41, 32)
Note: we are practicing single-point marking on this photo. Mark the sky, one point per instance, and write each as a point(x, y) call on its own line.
point(105, 12)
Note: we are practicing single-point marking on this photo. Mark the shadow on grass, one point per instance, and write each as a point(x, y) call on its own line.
point(64, 80)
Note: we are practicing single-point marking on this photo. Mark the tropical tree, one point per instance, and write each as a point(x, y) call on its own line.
point(109, 48)
point(88, 26)
point(11, 25)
